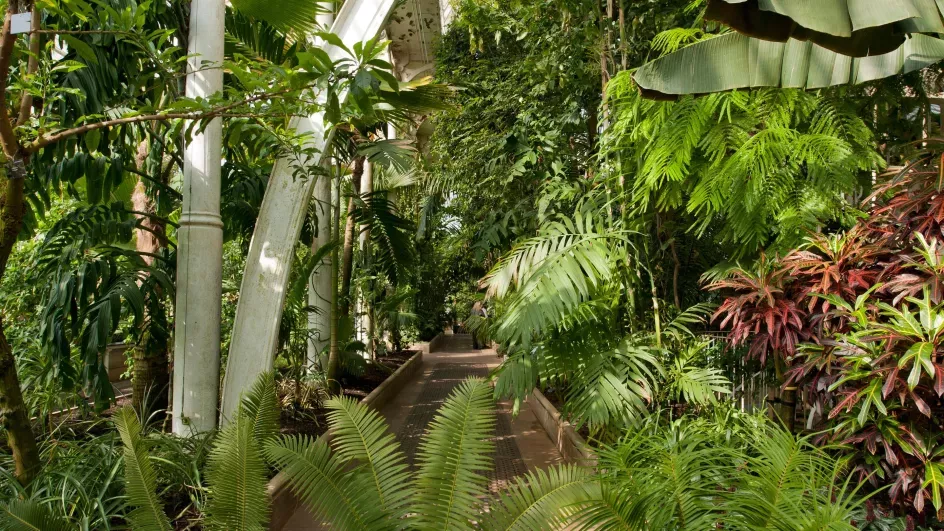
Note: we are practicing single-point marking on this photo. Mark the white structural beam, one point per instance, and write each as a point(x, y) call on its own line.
point(200, 238)
point(320, 291)
point(262, 294)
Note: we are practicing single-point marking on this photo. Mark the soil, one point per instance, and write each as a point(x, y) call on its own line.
point(79, 424)
point(312, 420)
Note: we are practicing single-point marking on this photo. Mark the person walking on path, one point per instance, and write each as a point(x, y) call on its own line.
point(479, 325)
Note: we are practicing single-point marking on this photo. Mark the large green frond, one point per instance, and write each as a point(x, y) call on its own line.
point(611, 510)
point(286, 15)
point(850, 28)
point(794, 482)
point(324, 483)
point(547, 276)
point(140, 478)
point(260, 407)
point(237, 474)
point(453, 457)
point(20, 515)
point(361, 436)
point(543, 499)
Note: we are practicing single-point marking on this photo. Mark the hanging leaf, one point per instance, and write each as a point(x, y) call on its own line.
point(734, 61)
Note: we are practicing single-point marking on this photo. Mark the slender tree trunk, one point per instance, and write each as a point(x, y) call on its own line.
point(150, 374)
point(14, 418)
point(786, 412)
point(334, 354)
point(367, 187)
point(675, 274)
point(347, 255)
point(788, 407)
point(657, 319)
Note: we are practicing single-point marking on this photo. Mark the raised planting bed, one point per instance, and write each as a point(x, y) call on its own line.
point(283, 501)
point(570, 444)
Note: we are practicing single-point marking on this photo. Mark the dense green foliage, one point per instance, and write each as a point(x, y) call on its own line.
point(605, 236)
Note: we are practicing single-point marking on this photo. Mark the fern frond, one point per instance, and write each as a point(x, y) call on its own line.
point(453, 457)
point(546, 277)
point(261, 408)
point(140, 477)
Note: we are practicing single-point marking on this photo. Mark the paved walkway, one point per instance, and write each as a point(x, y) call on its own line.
point(521, 443)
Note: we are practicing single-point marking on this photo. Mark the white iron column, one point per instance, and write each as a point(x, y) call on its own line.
point(200, 238)
point(320, 290)
point(326, 19)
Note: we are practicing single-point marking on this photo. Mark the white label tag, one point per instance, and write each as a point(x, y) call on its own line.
point(20, 23)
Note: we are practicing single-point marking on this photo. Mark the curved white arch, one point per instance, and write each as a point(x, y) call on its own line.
point(262, 293)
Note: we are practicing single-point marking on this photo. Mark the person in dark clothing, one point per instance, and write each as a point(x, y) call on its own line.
point(479, 313)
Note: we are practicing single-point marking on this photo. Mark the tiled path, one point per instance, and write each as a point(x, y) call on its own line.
point(521, 443)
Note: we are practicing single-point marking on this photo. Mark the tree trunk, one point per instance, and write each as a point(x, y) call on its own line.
point(149, 387)
point(786, 412)
point(788, 408)
point(367, 187)
point(150, 373)
point(334, 354)
point(675, 274)
point(14, 418)
point(347, 254)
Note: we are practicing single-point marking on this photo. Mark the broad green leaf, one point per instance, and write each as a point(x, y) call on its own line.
point(92, 139)
point(920, 356)
point(934, 478)
point(84, 50)
point(734, 61)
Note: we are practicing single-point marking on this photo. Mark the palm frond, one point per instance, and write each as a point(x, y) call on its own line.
point(391, 233)
point(547, 276)
point(453, 458)
point(261, 408)
point(140, 477)
point(286, 15)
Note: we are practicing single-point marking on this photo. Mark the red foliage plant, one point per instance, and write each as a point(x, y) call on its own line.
point(855, 322)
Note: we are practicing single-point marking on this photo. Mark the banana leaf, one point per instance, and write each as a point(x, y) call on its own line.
point(858, 28)
point(734, 61)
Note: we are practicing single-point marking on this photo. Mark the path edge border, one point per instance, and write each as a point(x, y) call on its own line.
point(435, 342)
point(283, 502)
point(572, 447)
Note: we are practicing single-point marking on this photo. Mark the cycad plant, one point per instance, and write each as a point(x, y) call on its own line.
point(359, 480)
point(740, 473)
